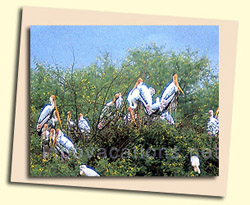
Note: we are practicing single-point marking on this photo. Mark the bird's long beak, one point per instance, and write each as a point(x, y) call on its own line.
point(217, 112)
point(176, 83)
point(57, 114)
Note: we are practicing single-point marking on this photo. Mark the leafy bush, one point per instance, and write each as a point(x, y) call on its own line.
point(150, 148)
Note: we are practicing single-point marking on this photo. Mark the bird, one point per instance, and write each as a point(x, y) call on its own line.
point(46, 114)
point(86, 170)
point(142, 94)
point(45, 133)
point(169, 93)
point(45, 141)
point(213, 124)
point(195, 162)
point(83, 125)
point(70, 123)
point(107, 111)
point(167, 117)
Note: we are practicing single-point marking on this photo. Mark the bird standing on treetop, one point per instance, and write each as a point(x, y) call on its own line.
point(46, 114)
point(70, 123)
point(169, 93)
point(83, 125)
point(86, 170)
point(107, 110)
point(195, 162)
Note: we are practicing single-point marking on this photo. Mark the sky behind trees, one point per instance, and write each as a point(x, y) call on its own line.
point(56, 44)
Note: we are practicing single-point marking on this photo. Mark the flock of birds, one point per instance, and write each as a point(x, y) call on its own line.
point(140, 94)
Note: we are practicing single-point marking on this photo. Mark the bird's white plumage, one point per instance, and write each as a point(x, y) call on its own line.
point(88, 171)
point(44, 116)
point(168, 95)
point(195, 162)
point(65, 142)
point(213, 126)
point(83, 125)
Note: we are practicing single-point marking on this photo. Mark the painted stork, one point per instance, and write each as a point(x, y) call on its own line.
point(45, 133)
point(141, 93)
point(46, 114)
point(195, 162)
point(45, 141)
point(86, 170)
point(107, 110)
point(62, 143)
point(83, 125)
point(70, 123)
point(169, 93)
point(213, 124)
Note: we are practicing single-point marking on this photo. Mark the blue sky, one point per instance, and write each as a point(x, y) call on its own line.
point(53, 44)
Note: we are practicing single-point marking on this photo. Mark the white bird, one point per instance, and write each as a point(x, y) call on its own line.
point(62, 143)
point(83, 124)
point(86, 170)
point(167, 117)
point(70, 123)
point(169, 93)
point(47, 113)
point(107, 110)
point(213, 124)
point(141, 93)
point(195, 162)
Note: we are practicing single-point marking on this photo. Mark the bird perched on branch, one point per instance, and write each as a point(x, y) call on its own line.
point(86, 170)
point(46, 115)
point(142, 94)
point(213, 124)
point(70, 124)
point(83, 125)
point(45, 141)
point(169, 93)
point(195, 162)
point(108, 110)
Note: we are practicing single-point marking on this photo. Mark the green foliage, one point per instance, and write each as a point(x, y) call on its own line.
point(86, 90)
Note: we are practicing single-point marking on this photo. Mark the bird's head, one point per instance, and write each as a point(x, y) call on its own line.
point(45, 127)
point(210, 113)
point(52, 100)
point(82, 167)
point(175, 77)
point(51, 135)
point(80, 116)
point(138, 82)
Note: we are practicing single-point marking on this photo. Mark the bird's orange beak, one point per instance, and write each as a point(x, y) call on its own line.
point(176, 83)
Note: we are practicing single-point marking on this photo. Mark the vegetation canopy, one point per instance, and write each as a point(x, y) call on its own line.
point(151, 147)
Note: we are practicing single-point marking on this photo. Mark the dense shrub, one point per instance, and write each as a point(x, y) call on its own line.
point(150, 148)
